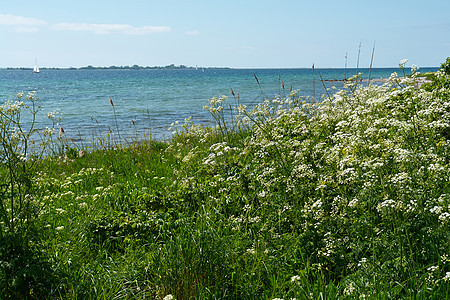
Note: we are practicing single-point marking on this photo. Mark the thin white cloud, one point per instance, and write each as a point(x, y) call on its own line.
point(110, 28)
point(26, 24)
point(193, 32)
point(20, 21)
point(24, 29)
point(21, 24)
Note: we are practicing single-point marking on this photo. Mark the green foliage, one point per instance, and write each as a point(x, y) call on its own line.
point(347, 198)
point(440, 79)
point(359, 179)
point(116, 231)
point(24, 273)
point(445, 66)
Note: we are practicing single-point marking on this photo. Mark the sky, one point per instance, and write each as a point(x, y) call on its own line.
point(232, 33)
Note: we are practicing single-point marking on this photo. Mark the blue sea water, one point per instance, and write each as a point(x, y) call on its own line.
point(153, 99)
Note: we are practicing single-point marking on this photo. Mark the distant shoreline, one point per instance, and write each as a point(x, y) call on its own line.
point(134, 67)
point(181, 67)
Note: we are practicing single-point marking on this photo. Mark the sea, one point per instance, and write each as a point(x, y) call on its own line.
point(147, 101)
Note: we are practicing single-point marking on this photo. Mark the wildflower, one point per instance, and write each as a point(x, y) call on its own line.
point(59, 228)
point(436, 210)
point(68, 193)
point(349, 289)
point(60, 211)
point(295, 279)
point(169, 297)
point(254, 220)
point(444, 217)
point(386, 205)
point(362, 262)
point(52, 116)
point(241, 109)
point(403, 62)
point(353, 203)
point(48, 131)
point(433, 268)
point(317, 204)
point(188, 157)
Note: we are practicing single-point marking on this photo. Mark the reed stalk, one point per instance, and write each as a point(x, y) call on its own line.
point(345, 68)
point(115, 118)
point(357, 61)
point(314, 83)
point(371, 62)
point(260, 88)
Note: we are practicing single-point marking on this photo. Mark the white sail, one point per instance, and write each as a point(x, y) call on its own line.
point(36, 68)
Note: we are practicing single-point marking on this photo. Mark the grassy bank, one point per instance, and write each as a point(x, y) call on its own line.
point(343, 198)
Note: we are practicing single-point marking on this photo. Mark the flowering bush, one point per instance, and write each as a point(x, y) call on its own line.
point(23, 271)
point(361, 176)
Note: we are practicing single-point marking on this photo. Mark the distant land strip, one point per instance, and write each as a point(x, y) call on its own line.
point(134, 67)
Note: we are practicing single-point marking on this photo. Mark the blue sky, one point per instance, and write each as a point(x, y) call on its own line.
point(232, 33)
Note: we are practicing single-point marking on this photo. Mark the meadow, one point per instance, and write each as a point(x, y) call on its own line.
point(343, 197)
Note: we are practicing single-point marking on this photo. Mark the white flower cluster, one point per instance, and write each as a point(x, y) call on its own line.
point(367, 149)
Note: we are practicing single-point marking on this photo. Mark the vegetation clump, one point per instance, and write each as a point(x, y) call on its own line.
point(347, 197)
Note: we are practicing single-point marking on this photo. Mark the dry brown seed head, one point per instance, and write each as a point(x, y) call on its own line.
point(256, 78)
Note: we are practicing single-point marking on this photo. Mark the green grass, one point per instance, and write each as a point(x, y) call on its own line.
point(343, 199)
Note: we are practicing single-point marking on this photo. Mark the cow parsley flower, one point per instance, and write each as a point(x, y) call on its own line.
point(444, 217)
point(403, 62)
point(296, 279)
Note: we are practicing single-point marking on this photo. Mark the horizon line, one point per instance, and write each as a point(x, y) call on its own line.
point(137, 67)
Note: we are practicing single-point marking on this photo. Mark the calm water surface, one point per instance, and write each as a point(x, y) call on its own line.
point(153, 99)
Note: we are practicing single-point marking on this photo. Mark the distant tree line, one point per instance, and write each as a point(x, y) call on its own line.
point(133, 67)
point(137, 67)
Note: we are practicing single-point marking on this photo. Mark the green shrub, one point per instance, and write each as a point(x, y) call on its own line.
point(445, 66)
point(25, 272)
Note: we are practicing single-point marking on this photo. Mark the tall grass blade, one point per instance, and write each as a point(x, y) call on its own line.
point(314, 83)
point(345, 68)
point(357, 61)
point(371, 62)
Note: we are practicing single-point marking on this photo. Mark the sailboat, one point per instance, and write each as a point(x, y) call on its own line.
point(36, 68)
